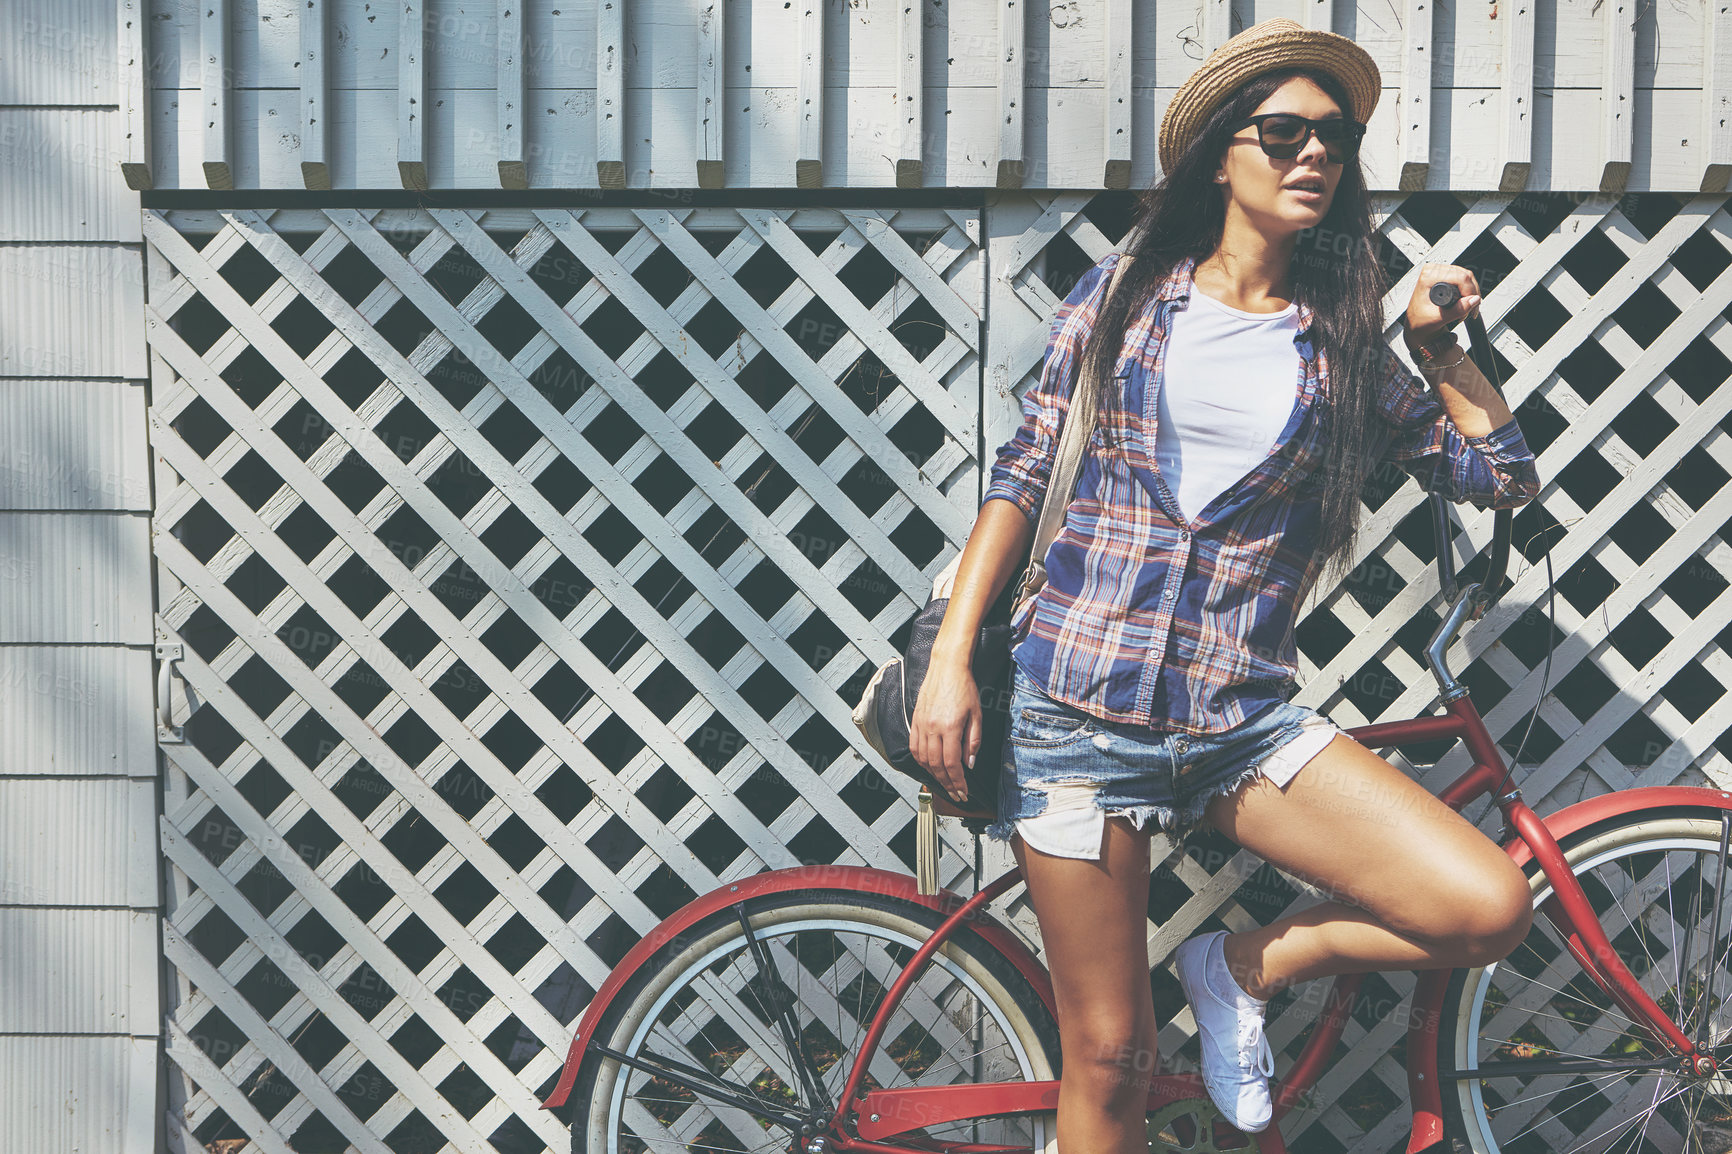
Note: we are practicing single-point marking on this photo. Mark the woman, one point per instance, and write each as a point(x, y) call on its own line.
point(1251, 394)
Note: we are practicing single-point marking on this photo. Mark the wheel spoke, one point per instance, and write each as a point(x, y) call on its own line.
point(1684, 957)
point(1628, 1121)
point(1636, 923)
point(1693, 1124)
point(1648, 1117)
point(1720, 967)
point(780, 1009)
point(1538, 1014)
point(1712, 978)
point(1607, 1008)
point(1723, 979)
point(1550, 1094)
point(1521, 1008)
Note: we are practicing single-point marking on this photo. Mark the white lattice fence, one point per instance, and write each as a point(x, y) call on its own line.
point(1608, 315)
point(520, 563)
point(527, 564)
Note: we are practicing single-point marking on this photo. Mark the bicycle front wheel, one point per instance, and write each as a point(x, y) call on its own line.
point(749, 1036)
point(1655, 883)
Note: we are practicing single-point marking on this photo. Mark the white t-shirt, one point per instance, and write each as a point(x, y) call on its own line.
point(1230, 382)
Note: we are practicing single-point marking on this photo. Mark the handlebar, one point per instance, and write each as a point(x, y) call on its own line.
point(1490, 587)
point(1476, 598)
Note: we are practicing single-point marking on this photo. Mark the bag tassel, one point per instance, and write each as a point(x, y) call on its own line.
point(926, 844)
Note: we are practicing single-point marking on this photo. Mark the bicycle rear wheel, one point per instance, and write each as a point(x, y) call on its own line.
point(709, 1013)
point(1655, 883)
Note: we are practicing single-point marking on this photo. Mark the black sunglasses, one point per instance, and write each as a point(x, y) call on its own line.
point(1282, 135)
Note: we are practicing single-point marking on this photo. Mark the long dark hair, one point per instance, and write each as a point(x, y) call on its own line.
point(1342, 282)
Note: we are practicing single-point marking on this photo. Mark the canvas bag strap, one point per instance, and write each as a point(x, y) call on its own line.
point(1079, 423)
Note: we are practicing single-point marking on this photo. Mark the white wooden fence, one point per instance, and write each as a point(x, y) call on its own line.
point(526, 564)
point(1561, 94)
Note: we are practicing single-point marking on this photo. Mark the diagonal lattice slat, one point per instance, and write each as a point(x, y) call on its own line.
point(529, 561)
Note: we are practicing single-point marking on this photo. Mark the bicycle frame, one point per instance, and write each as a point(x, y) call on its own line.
point(883, 1114)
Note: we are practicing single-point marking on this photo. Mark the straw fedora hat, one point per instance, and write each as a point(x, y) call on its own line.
point(1266, 47)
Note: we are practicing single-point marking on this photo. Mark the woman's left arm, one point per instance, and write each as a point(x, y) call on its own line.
point(1472, 403)
point(1456, 437)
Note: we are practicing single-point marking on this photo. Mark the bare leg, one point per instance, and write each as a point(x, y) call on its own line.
point(1093, 917)
point(1416, 886)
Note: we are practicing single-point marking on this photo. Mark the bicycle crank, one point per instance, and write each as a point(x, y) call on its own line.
point(1188, 1126)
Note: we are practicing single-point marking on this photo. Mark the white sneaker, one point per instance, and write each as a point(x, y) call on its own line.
point(1237, 1058)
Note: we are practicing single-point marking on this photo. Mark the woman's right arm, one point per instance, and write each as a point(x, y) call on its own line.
point(944, 733)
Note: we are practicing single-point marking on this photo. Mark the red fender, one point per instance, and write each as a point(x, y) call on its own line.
point(847, 879)
point(1422, 1029)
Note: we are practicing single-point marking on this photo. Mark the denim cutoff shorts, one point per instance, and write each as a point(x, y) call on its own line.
point(1066, 771)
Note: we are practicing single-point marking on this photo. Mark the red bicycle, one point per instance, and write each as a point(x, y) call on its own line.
point(834, 1008)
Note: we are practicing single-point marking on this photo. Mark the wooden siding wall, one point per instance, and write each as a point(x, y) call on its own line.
point(80, 1010)
point(1581, 95)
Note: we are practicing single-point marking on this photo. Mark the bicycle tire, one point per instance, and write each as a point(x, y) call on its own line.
point(1537, 1004)
point(826, 934)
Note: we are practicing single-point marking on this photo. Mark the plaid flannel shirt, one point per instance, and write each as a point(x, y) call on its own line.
point(1148, 620)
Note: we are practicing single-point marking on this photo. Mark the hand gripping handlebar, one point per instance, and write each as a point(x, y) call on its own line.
point(1476, 598)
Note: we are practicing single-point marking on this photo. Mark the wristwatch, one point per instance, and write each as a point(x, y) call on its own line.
point(1435, 354)
point(1437, 348)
